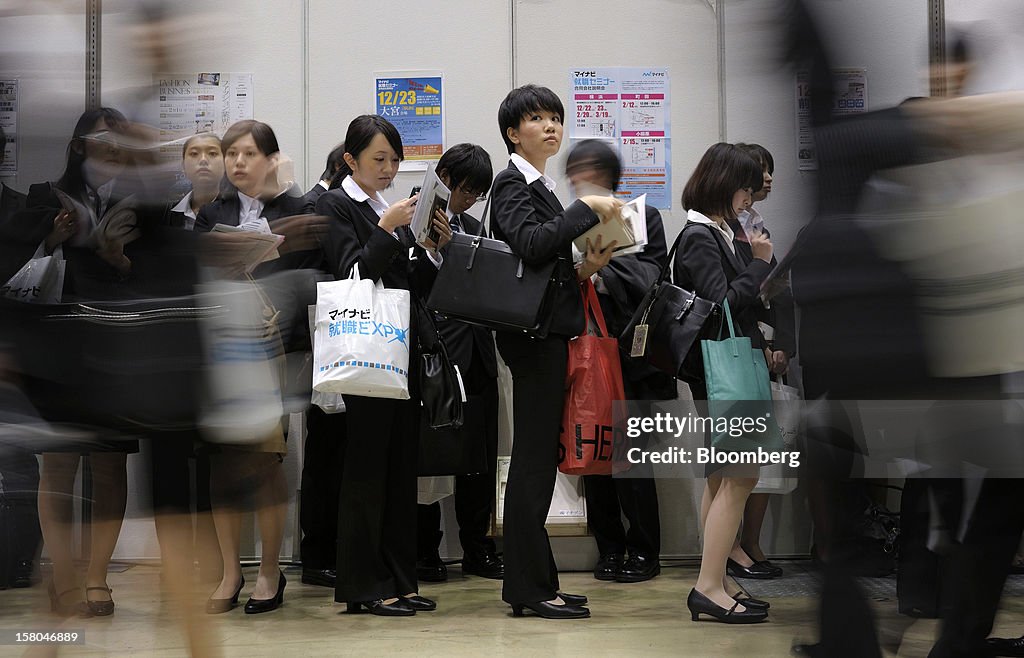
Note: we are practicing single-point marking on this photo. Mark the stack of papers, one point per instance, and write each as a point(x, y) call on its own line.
point(262, 246)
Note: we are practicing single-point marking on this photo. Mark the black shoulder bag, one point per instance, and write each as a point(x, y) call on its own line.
point(670, 322)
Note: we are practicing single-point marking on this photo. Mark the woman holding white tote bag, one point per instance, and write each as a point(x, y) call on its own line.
point(376, 562)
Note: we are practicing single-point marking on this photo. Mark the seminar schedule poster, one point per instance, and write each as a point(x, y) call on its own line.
point(414, 103)
point(629, 107)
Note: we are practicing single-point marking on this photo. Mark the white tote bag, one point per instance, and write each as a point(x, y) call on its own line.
point(787, 415)
point(40, 280)
point(361, 343)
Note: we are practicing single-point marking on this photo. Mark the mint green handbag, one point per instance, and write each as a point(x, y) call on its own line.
point(739, 393)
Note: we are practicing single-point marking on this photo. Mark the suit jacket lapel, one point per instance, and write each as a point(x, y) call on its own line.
point(725, 247)
point(546, 196)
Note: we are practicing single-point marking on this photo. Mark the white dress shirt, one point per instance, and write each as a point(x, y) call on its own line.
point(530, 172)
point(185, 208)
point(723, 228)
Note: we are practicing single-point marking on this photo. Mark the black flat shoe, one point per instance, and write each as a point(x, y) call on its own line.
point(486, 565)
point(256, 606)
point(608, 566)
point(736, 570)
point(99, 608)
point(700, 604)
point(550, 610)
point(431, 570)
point(418, 603)
point(572, 599)
point(751, 602)
point(769, 567)
point(320, 577)
point(378, 607)
point(637, 569)
point(1005, 646)
point(218, 606)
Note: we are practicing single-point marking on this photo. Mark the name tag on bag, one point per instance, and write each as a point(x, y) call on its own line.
point(639, 341)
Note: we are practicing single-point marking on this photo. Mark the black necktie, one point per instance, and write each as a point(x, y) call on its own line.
point(456, 224)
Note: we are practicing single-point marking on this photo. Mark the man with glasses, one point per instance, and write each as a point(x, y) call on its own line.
point(465, 169)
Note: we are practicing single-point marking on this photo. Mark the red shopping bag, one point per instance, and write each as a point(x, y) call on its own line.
point(593, 384)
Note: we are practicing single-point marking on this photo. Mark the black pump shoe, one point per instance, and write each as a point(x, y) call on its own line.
point(218, 606)
point(256, 606)
point(698, 603)
point(551, 611)
point(378, 607)
point(737, 570)
point(750, 601)
point(418, 603)
point(572, 599)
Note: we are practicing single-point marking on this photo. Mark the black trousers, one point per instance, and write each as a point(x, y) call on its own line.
point(376, 557)
point(608, 499)
point(538, 375)
point(20, 472)
point(474, 494)
point(323, 462)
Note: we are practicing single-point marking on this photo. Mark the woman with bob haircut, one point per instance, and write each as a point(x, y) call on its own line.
point(706, 262)
point(376, 561)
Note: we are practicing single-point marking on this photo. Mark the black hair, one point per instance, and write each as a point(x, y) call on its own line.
point(72, 180)
point(188, 142)
point(335, 161)
point(467, 166)
point(360, 133)
point(262, 134)
point(761, 154)
point(595, 154)
point(724, 169)
point(522, 101)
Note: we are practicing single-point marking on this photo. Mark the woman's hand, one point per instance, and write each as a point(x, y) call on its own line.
point(399, 214)
point(597, 256)
point(63, 228)
point(605, 207)
point(113, 254)
point(761, 246)
point(778, 363)
point(443, 229)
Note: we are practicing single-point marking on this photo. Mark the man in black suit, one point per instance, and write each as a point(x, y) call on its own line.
point(466, 170)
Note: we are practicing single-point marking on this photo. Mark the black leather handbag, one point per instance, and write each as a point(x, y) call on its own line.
point(482, 281)
point(440, 388)
point(450, 451)
point(667, 327)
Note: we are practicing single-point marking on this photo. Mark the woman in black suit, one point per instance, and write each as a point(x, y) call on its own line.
point(528, 216)
point(376, 561)
point(621, 286)
point(707, 263)
point(253, 198)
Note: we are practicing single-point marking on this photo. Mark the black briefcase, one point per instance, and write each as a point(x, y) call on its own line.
point(482, 281)
point(667, 327)
point(451, 451)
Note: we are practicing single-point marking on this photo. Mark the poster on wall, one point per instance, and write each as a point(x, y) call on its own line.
point(9, 122)
point(629, 107)
point(192, 103)
point(414, 102)
point(850, 96)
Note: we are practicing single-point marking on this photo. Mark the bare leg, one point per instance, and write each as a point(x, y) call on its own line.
point(110, 487)
point(753, 522)
point(56, 488)
point(271, 514)
point(723, 521)
point(227, 518)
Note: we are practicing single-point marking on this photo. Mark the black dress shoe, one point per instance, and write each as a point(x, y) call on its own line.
point(218, 606)
point(431, 569)
point(750, 601)
point(551, 611)
point(378, 607)
point(737, 570)
point(699, 604)
point(768, 566)
point(637, 569)
point(1005, 646)
point(321, 577)
point(418, 603)
point(486, 564)
point(256, 606)
point(572, 599)
point(608, 566)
